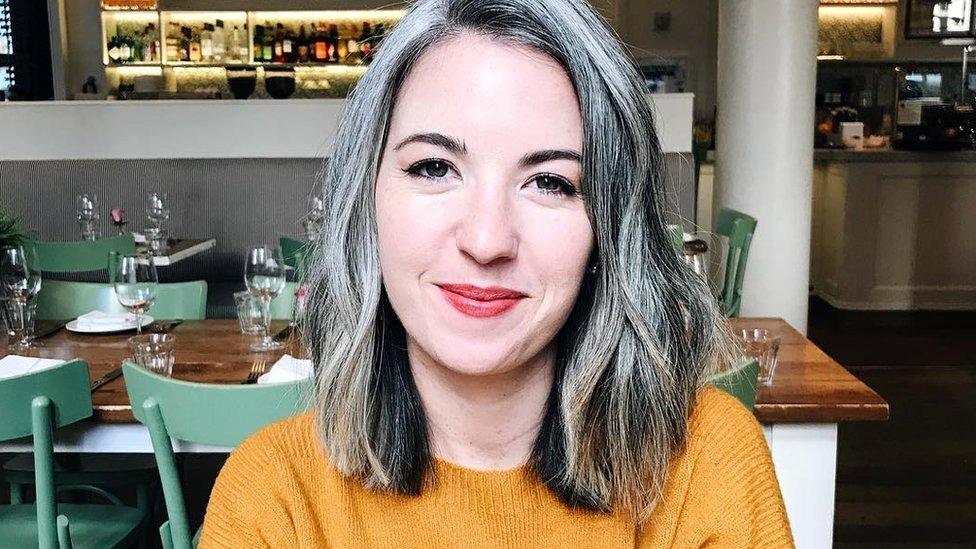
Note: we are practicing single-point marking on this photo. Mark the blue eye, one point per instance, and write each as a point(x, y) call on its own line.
point(431, 168)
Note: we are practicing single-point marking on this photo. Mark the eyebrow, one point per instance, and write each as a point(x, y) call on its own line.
point(458, 147)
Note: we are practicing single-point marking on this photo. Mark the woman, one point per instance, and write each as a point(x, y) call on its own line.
point(508, 351)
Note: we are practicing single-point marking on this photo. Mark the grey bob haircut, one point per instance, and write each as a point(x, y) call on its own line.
point(644, 333)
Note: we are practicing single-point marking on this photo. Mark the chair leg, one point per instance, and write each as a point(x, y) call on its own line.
point(144, 502)
point(16, 493)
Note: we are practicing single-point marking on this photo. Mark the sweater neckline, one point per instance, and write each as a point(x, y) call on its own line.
point(461, 470)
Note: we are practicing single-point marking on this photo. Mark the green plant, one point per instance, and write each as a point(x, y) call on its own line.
point(11, 231)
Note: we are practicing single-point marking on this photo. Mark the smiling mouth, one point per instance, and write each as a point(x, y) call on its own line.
point(479, 302)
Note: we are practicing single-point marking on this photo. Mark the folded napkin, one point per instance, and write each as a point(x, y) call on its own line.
point(101, 319)
point(288, 368)
point(15, 365)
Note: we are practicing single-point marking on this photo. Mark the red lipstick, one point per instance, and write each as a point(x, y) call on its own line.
point(480, 302)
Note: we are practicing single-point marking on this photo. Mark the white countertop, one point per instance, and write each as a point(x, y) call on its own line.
point(290, 128)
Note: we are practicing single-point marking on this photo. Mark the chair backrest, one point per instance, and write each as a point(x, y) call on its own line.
point(34, 405)
point(738, 228)
point(82, 255)
point(203, 413)
point(677, 238)
point(740, 383)
point(60, 300)
point(283, 306)
point(295, 253)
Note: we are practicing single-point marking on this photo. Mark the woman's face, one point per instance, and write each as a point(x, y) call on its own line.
point(484, 236)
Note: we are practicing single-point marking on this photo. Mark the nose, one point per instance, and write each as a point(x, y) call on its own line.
point(486, 233)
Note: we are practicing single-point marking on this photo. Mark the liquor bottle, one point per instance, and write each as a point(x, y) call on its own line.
point(342, 48)
point(374, 43)
point(258, 43)
point(321, 44)
point(206, 43)
point(333, 43)
point(114, 51)
point(219, 42)
point(302, 45)
point(236, 50)
point(195, 55)
point(279, 43)
point(185, 44)
point(365, 40)
point(353, 55)
point(125, 50)
point(290, 52)
point(268, 43)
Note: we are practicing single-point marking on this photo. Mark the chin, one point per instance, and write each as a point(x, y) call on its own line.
point(463, 356)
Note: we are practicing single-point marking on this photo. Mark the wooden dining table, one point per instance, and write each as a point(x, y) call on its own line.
point(799, 411)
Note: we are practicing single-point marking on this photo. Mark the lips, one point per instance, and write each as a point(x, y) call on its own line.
point(479, 302)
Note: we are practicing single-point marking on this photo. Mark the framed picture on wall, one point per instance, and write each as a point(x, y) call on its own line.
point(939, 19)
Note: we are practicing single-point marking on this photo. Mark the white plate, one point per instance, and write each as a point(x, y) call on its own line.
point(72, 326)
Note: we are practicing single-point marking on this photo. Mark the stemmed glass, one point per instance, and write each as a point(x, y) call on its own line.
point(87, 212)
point(313, 219)
point(20, 280)
point(264, 275)
point(157, 208)
point(135, 285)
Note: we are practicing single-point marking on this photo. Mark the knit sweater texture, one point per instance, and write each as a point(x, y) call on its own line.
point(278, 489)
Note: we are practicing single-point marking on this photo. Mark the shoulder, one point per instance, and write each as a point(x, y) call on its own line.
point(733, 492)
point(719, 419)
point(259, 483)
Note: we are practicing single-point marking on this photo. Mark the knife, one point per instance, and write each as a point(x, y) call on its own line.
point(49, 328)
point(112, 374)
point(284, 333)
point(164, 326)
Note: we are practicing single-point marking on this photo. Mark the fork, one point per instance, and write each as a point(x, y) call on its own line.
point(257, 368)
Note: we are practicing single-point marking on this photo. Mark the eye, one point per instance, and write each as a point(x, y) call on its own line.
point(431, 168)
point(549, 183)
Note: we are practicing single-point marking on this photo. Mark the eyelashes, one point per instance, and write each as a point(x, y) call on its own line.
point(434, 169)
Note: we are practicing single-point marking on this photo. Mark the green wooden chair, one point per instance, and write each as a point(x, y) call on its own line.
point(60, 300)
point(174, 408)
point(82, 255)
point(738, 228)
point(677, 236)
point(34, 405)
point(296, 254)
point(740, 382)
point(283, 306)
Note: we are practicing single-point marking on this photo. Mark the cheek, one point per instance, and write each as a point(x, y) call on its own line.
point(560, 248)
point(410, 235)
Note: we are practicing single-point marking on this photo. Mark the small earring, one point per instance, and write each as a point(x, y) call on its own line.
point(594, 268)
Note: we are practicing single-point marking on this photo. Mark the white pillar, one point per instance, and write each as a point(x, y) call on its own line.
point(764, 144)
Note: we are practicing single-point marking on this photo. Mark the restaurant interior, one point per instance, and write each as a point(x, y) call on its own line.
point(160, 185)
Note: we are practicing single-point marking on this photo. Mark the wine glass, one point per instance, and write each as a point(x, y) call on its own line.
point(264, 275)
point(135, 285)
point(157, 208)
point(87, 212)
point(20, 280)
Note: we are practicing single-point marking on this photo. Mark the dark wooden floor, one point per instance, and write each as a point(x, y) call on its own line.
point(910, 481)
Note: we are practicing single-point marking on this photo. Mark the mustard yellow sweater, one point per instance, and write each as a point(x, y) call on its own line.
point(278, 490)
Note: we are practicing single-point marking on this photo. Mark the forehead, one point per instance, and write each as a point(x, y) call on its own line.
point(483, 89)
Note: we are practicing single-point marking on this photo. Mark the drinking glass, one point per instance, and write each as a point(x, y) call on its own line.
point(154, 352)
point(264, 275)
point(135, 285)
point(763, 346)
point(156, 240)
point(20, 280)
point(250, 312)
point(87, 211)
point(157, 208)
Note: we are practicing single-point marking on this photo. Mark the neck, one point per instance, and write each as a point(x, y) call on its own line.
point(483, 422)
